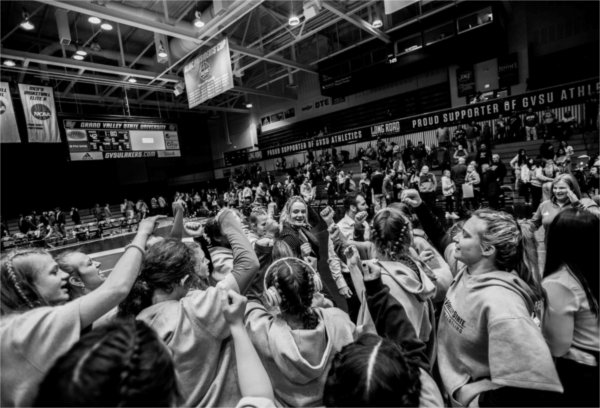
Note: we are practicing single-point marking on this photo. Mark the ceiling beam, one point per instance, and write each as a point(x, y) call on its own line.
point(357, 21)
point(88, 66)
point(273, 58)
point(258, 92)
point(148, 102)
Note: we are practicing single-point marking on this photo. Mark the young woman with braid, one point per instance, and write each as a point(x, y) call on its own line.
point(392, 370)
point(491, 351)
point(296, 342)
point(410, 280)
point(190, 321)
point(37, 321)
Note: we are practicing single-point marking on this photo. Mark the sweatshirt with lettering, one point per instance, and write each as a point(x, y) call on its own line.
point(488, 338)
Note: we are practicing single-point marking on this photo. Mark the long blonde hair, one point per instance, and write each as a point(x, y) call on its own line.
point(515, 244)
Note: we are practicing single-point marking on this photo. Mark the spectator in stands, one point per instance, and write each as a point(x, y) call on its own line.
point(593, 181)
point(471, 135)
point(524, 182)
point(420, 154)
point(107, 214)
point(261, 194)
point(377, 197)
point(364, 188)
point(514, 126)
point(387, 188)
point(537, 181)
point(562, 160)
point(547, 150)
point(443, 136)
point(549, 124)
point(473, 179)
point(142, 209)
point(427, 187)
point(162, 206)
point(75, 217)
point(154, 209)
point(448, 190)
point(568, 125)
point(517, 162)
point(571, 321)
point(486, 135)
point(408, 153)
point(458, 174)
point(460, 136)
point(61, 221)
point(500, 128)
point(498, 167)
point(98, 212)
point(306, 190)
point(354, 204)
point(531, 124)
point(489, 187)
point(331, 191)
point(483, 155)
point(460, 152)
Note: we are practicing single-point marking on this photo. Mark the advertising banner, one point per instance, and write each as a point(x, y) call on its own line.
point(8, 123)
point(209, 74)
point(465, 79)
point(40, 113)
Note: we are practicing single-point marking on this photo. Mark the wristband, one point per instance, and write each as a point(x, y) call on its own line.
point(136, 246)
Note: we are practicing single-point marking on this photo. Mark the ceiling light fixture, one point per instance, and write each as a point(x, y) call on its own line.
point(132, 80)
point(81, 51)
point(377, 23)
point(248, 105)
point(106, 26)
point(9, 63)
point(294, 21)
point(26, 24)
point(198, 23)
point(78, 57)
point(94, 20)
point(161, 52)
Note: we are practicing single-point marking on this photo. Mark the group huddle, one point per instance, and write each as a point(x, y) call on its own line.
point(238, 313)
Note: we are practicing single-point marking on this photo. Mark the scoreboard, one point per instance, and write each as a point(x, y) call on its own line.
point(101, 140)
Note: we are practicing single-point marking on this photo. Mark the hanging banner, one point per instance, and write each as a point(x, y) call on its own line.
point(8, 123)
point(209, 74)
point(40, 113)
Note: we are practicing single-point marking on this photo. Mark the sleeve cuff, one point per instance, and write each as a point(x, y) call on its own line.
point(374, 286)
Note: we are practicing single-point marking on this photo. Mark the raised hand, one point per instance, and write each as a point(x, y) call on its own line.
point(234, 306)
point(147, 225)
point(371, 270)
point(411, 197)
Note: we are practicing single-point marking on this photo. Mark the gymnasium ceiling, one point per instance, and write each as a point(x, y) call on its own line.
point(267, 53)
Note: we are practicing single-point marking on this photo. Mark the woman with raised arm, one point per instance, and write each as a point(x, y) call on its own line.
point(491, 350)
point(189, 320)
point(38, 323)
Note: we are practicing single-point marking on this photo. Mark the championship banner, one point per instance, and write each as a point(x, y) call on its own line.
point(209, 74)
point(40, 113)
point(8, 123)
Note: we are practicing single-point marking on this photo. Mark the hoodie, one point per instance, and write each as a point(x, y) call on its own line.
point(488, 338)
point(298, 361)
point(415, 292)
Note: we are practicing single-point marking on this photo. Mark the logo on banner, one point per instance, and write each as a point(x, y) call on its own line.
point(41, 112)
point(204, 70)
point(87, 156)
point(2, 107)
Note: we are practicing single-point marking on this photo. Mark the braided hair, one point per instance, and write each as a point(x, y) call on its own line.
point(17, 289)
point(120, 365)
point(391, 233)
point(372, 371)
point(295, 284)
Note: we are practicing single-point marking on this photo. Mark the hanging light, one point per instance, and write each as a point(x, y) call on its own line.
point(94, 20)
point(198, 23)
point(78, 57)
point(26, 24)
point(248, 105)
point(294, 21)
point(81, 51)
point(9, 63)
point(132, 80)
point(377, 23)
point(106, 26)
point(161, 52)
